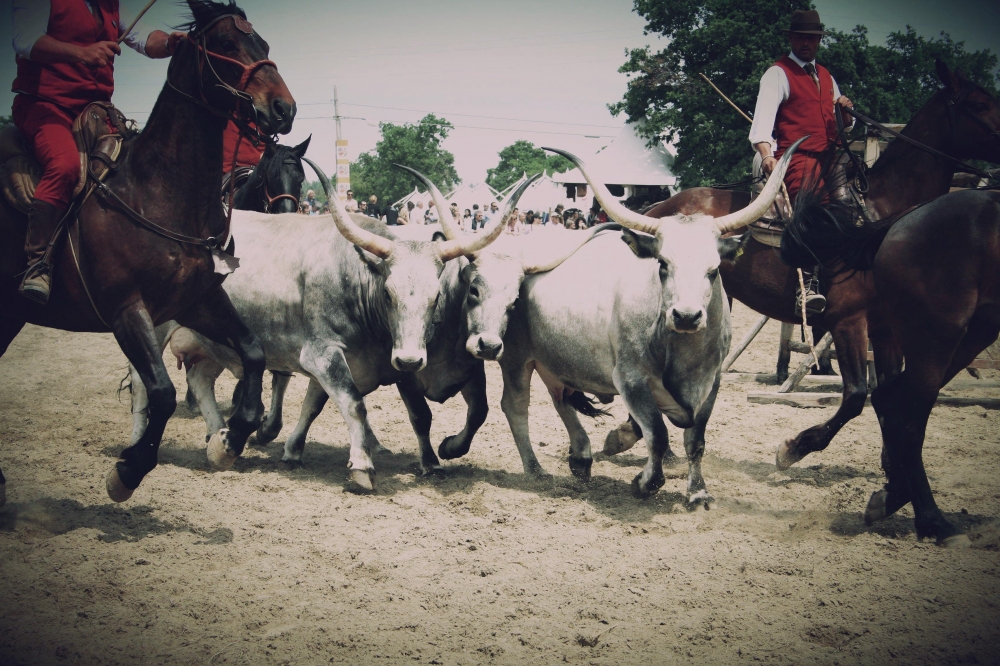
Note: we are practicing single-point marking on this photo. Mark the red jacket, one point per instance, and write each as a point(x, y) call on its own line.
point(806, 111)
point(249, 154)
point(72, 85)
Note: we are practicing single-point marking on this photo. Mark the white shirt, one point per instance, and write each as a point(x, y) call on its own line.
point(351, 206)
point(30, 21)
point(774, 90)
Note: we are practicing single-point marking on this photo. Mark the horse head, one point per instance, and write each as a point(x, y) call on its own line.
point(974, 113)
point(230, 69)
point(276, 183)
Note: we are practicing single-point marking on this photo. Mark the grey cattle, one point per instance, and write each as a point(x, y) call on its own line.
point(352, 315)
point(646, 319)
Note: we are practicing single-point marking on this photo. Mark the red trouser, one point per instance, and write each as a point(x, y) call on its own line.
point(48, 130)
point(805, 170)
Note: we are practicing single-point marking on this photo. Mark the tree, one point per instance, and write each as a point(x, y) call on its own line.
point(522, 157)
point(417, 146)
point(733, 42)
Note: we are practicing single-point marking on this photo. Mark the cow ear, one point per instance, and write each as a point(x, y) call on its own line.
point(300, 150)
point(377, 265)
point(466, 273)
point(730, 248)
point(643, 245)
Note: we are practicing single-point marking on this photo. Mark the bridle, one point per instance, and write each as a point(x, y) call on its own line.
point(269, 201)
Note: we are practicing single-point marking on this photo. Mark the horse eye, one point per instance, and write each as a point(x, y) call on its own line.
point(229, 45)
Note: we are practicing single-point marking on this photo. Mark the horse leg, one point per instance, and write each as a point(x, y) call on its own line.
point(216, 318)
point(270, 428)
point(9, 328)
point(850, 337)
point(420, 418)
point(135, 334)
point(313, 404)
point(826, 358)
point(140, 401)
point(474, 394)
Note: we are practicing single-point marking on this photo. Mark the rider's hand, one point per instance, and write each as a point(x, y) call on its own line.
point(173, 39)
point(768, 164)
point(843, 101)
point(99, 54)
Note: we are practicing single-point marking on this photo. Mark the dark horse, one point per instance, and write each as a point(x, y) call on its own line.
point(959, 120)
point(936, 276)
point(138, 275)
point(275, 184)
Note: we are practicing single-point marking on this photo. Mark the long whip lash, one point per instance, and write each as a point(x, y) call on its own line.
point(135, 22)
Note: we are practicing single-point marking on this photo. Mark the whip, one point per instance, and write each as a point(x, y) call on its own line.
point(136, 21)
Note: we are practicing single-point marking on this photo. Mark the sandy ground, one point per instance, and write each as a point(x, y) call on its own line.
point(265, 564)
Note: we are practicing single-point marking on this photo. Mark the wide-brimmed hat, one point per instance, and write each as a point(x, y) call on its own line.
point(806, 22)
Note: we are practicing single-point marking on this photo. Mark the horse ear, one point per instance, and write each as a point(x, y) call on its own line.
point(300, 150)
point(950, 80)
point(200, 10)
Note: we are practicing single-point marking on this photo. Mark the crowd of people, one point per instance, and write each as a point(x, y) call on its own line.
point(470, 220)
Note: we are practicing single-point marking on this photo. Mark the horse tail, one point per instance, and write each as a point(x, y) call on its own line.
point(835, 234)
point(585, 405)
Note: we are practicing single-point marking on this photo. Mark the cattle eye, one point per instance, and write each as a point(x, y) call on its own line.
point(474, 293)
point(664, 270)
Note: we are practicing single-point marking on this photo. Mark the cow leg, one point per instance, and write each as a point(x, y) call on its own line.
point(474, 394)
point(694, 446)
point(850, 338)
point(201, 383)
point(216, 318)
point(313, 404)
point(270, 427)
point(420, 418)
point(329, 367)
point(580, 457)
point(642, 406)
point(9, 328)
point(133, 329)
point(514, 403)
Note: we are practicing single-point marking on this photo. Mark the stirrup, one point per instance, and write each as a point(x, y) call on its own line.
point(37, 282)
point(815, 303)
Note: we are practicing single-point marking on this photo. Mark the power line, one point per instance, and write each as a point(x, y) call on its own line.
point(498, 129)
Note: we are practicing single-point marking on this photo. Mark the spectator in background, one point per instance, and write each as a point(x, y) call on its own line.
point(477, 220)
point(304, 208)
point(311, 200)
point(455, 215)
point(326, 209)
point(373, 208)
point(514, 225)
point(391, 216)
point(417, 214)
point(411, 213)
point(350, 204)
point(363, 207)
point(557, 221)
point(467, 220)
point(431, 216)
point(559, 211)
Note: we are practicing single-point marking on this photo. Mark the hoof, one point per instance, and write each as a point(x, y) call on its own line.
point(432, 471)
point(580, 467)
point(876, 509)
point(379, 450)
point(453, 447)
point(700, 498)
point(620, 439)
point(643, 491)
point(292, 463)
point(219, 457)
point(786, 456)
point(263, 436)
point(360, 482)
point(116, 489)
point(956, 541)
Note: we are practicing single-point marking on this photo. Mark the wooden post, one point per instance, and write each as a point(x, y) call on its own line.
point(793, 380)
point(744, 343)
point(784, 351)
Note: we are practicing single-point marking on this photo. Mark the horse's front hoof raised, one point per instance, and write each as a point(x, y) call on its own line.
point(360, 482)
point(786, 455)
point(580, 467)
point(453, 447)
point(116, 489)
point(219, 457)
point(877, 509)
point(620, 439)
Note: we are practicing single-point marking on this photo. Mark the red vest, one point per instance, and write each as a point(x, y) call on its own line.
point(249, 155)
point(806, 111)
point(72, 85)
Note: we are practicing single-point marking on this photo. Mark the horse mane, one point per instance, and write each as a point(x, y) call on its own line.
point(207, 11)
point(835, 234)
point(269, 167)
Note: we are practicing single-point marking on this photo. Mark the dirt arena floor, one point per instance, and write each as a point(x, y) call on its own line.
point(269, 565)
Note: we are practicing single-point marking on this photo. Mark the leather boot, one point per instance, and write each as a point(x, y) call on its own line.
point(815, 301)
point(42, 222)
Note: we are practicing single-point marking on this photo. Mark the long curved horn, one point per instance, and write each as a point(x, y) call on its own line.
point(553, 262)
point(759, 206)
point(366, 240)
point(447, 224)
point(615, 210)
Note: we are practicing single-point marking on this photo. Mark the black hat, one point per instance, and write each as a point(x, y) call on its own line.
point(806, 22)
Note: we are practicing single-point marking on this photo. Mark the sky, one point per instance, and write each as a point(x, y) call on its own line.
point(539, 70)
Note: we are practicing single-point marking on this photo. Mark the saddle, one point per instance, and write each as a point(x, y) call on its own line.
point(99, 132)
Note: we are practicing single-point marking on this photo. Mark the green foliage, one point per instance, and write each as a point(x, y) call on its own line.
point(522, 157)
point(734, 42)
point(418, 146)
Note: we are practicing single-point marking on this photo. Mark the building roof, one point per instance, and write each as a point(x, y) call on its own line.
point(627, 161)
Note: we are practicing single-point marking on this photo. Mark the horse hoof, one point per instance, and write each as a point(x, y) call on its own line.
point(432, 471)
point(956, 541)
point(786, 456)
point(620, 439)
point(580, 467)
point(263, 435)
point(700, 498)
point(876, 509)
point(453, 447)
point(116, 489)
point(219, 457)
point(642, 490)
point(360, 482)
point(379, 450)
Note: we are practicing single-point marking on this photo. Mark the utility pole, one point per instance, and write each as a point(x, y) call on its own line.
point(343, 161)
point(336, 112)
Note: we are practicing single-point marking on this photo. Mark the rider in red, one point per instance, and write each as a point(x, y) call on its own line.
point(249, 154)
point(65, 52)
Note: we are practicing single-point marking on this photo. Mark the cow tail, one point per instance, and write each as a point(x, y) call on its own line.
point(585, 405)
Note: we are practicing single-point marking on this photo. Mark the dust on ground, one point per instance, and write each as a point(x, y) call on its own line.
point(266, 564)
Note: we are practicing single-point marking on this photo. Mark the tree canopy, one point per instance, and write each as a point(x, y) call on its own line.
point(417, 146)
point(733, 42)
point(523, 157)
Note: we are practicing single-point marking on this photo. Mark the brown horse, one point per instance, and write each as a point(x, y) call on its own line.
point(936, 275)
point(960, 120)
point(134, 274)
